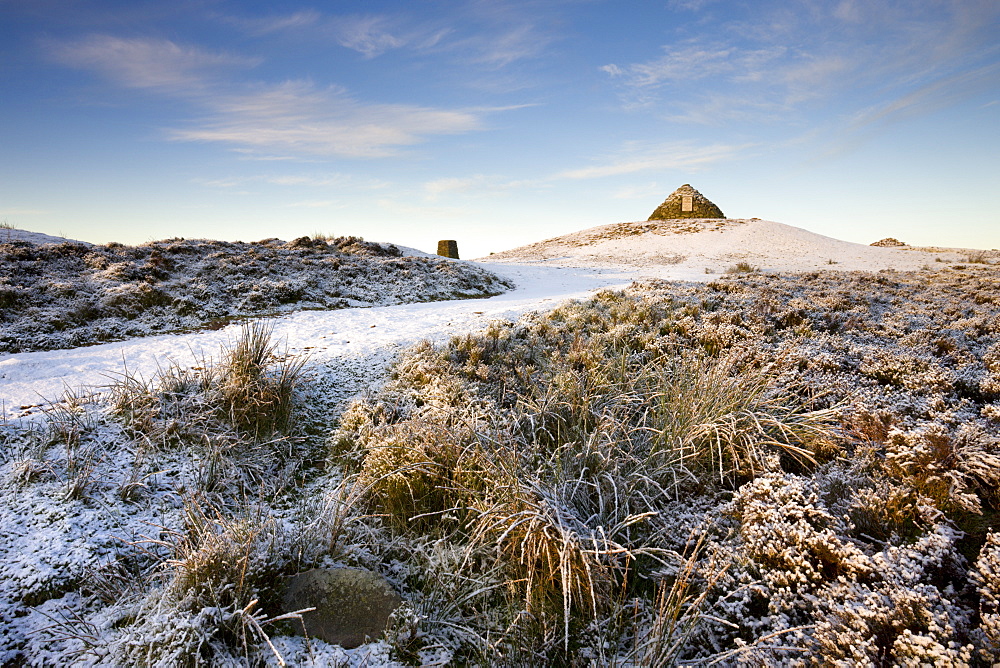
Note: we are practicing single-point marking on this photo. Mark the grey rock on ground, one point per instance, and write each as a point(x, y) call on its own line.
point(352, 604)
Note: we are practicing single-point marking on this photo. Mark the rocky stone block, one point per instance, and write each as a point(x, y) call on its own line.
point(352, 604)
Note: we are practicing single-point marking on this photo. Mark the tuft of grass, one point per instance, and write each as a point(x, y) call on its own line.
point(976, 257)
point(219, 570)
point(253, 391)
point(709, 419)
point(743, 267)
point(253, 397)
point(680, 606)
point(238, 416)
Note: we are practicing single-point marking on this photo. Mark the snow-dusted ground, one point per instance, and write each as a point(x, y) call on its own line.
point(690, 249)
point(29, 382)
point(9, 234)
point(67, 295)
point(546, 273)
point(47, 537)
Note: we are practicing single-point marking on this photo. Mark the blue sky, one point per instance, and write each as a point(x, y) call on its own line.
point(497, 123)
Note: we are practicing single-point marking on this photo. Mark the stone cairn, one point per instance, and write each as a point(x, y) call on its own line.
point(448, 248)
point(686, 202)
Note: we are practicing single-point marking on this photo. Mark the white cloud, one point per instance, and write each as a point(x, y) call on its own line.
point(516, 43)
point(478, 184)
point(335, 180)
point(644, 192)
point(788, 57)
point(936, 95)
point(690, 5)
point(313, 204)
point(453, 185)
point(271, 24)
point(643, 158)
point(720, 108)
point(24, 212)
point(145, 62)
point(848, 10)
point(265, 121)
point(400, 208)
point(298, 118)
point(695, 61)
point(368, 35)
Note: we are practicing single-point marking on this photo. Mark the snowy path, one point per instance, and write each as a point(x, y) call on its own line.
point(345, 344)
point(334, 339)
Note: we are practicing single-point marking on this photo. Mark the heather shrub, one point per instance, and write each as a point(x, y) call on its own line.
point(905, 612)
point(84, 294)
point(986, 576)
point(791, 537)
point(954, 470)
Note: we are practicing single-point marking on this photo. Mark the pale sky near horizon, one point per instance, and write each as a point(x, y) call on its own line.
point(497, 123)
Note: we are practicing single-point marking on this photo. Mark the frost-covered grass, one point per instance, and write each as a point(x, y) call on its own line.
point(71, 294)
point(766, 469)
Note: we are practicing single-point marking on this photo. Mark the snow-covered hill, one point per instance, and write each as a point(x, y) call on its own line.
point(689, 249)
point(11, 234)
point(68, 294)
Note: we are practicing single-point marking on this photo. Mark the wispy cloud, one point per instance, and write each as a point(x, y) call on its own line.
point(458, 184)
point(683, 68)
point(324, 181)
point(843, 52)
point(647, 191)
point(518, 42)
point(490, 34)
point(368, 35)
point(495, 34)
point(633, 157)
point(935, 95)
point(290, 118)
point(636, 157)
point(690, 5)
point(298, 117)
point(721, 108)
point(147, 62)
point(478, 184)
point(423, 212)
point(24, 212)
point(696, 61)
point(313, 204)
point(272, 24)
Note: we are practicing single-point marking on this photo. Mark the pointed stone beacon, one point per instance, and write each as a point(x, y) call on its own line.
point(686, 202)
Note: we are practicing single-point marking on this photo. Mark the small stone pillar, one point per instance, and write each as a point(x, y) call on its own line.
point(448, 248)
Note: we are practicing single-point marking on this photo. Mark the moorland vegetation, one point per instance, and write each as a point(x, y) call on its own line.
point(72, 294)
point(793, 469)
